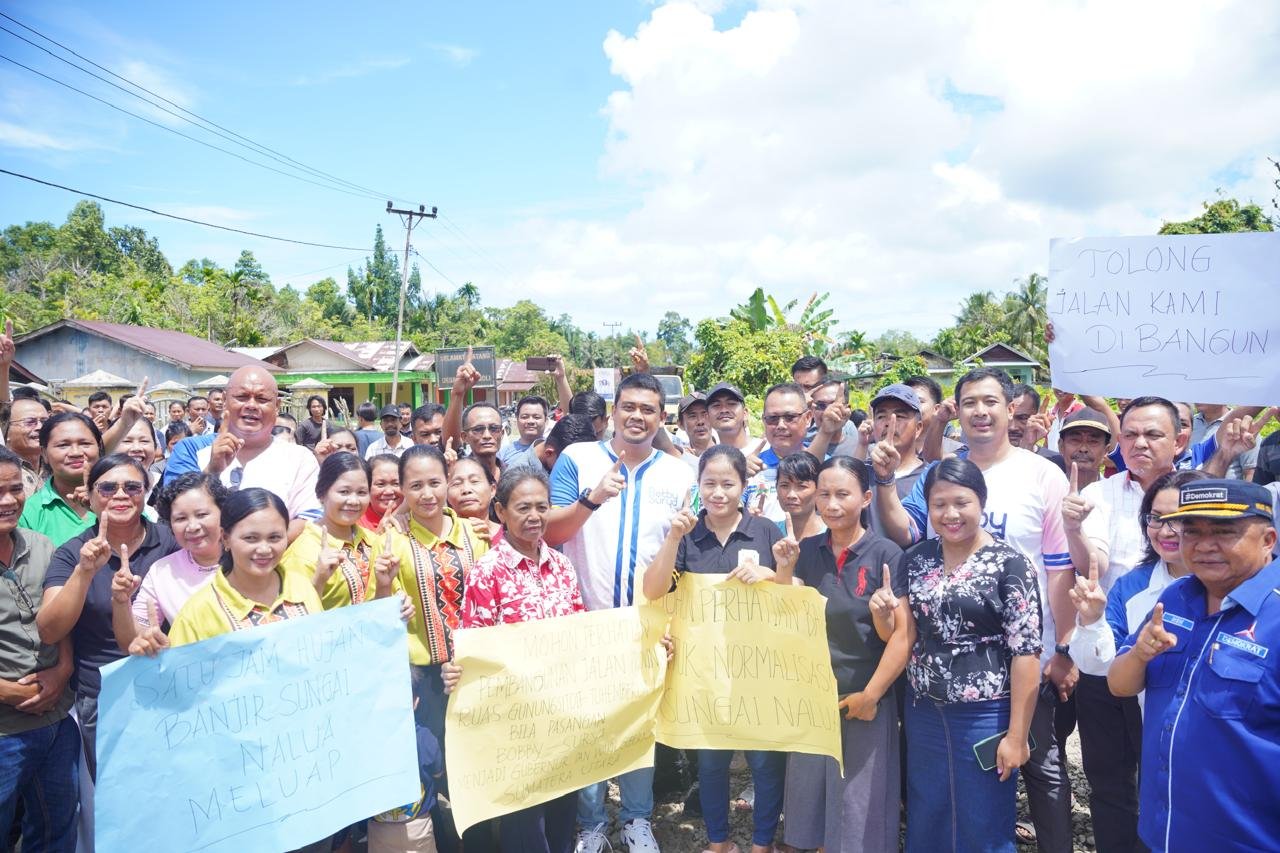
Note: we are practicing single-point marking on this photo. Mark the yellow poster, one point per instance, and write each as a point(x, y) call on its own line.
point(751, 669)
point(544, 708)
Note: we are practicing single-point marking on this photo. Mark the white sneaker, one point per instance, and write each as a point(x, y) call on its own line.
point(637, 835)
point(592, 840)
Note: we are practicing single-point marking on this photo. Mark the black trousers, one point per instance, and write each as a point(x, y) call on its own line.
point(544, 828)
point(1111, 745)
point(1045, 775)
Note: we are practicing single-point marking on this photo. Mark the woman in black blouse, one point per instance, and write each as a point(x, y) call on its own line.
point(869, 635)
point(974, 671)
point(724, 539)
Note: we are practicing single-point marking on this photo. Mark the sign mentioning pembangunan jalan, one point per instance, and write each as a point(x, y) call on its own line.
point(1189, 318)
point(265, 739)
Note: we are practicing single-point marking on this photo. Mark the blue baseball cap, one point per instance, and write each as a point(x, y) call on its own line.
point(1227, 499)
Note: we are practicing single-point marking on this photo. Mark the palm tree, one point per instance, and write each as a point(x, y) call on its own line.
point(469, 294)
point(1026, 314)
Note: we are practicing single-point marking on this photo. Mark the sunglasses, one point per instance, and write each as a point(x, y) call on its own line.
point(132, 488)
point(785, 417)
point(492, 429)
point(30, 423)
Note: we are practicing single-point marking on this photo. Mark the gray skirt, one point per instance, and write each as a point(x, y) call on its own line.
point(859, 812)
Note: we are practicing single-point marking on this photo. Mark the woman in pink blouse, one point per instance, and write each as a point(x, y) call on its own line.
point(190, 505)
point(521, 580)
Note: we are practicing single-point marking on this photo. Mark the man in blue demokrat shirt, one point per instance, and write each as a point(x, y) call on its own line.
point(1209, 659)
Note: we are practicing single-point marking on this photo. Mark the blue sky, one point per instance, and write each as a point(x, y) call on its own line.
point(615, 160)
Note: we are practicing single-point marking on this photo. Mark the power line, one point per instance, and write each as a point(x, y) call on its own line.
point(434, 267)
point(210, 122)
point(179, 116)
point(184, 218)
point(188, 136)
point(475, 247)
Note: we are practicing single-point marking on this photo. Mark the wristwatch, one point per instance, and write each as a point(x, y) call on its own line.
point(585, 500)
point(1062, 649)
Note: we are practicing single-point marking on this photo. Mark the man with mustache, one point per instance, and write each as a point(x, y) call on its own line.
point(1101, 522)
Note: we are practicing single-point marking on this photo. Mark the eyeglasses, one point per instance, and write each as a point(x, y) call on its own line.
point(237, 477)
point(29, 423)
point(24, 601)
point(132, 488)
point(1152, 519)
point(784, 417)
point(481, 429)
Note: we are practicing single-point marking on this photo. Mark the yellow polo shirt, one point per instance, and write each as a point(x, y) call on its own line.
point(432, 573)
point(217, 608)
point(354, 581)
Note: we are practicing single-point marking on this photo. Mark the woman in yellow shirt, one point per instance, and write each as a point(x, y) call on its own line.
point(335, 553)
point(251, 588)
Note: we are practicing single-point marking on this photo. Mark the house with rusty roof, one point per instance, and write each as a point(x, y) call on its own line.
point(69, 349)
point(354, 371)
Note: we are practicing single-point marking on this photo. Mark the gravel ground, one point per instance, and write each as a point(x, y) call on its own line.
point(680, 833)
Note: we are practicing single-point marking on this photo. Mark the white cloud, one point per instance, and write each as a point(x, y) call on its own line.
point(13, 136)
point(456, 54)
point(819, 145)
point(349, 70)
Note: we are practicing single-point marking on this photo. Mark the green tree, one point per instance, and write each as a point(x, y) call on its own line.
point(898, 342)
point(1223, 216)
point(733, 351)
point(84, 240)
point(674, 331)
point(1026, 316)
point(522, 331)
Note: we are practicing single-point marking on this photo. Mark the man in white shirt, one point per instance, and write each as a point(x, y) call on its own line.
point(1101, 521)
point(392, 440)
point(245, 454)
point(613, 503)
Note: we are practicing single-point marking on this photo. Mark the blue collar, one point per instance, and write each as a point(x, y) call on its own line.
point(1252, 593)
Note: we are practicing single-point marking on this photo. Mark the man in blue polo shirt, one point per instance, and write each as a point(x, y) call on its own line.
point(1209, 659)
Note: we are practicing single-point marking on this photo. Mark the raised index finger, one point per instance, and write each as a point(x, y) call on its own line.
point(324, 539)
point(142, 387)
point(469, 352)
point(102, 525)
point(8, 327)
point(639, 340)
point(124, 557)
point(153, 614)
point(791, 527)
point(759, 447)
point(1093, 568)
point(1075, 479)
point(888, 578)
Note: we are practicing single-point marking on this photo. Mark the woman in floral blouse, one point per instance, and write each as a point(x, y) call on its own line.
point(974, 670)
point(523, 580)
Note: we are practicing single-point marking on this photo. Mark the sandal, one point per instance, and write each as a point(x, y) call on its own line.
point(1025, 832)
point(746, 801)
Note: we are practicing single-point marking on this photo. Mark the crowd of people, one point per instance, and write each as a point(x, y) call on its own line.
point(999, 570)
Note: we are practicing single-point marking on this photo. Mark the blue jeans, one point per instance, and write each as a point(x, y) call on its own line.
point(637, 799)
point(952, 803)
point(41, 767)
point(768, 774)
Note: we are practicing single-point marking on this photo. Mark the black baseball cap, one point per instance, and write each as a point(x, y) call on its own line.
point(726, 388)
point(389, 411)
point(1086, 419)
point(688, 400)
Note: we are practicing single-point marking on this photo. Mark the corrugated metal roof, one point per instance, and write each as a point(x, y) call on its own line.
point(183, 349)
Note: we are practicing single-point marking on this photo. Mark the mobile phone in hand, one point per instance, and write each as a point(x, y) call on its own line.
point(985, 750)
point(540, 363)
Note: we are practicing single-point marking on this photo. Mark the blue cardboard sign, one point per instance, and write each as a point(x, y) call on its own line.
point(265, 739)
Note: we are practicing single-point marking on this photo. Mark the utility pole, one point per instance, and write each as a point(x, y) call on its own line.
point(409, 217)
point(613, 325)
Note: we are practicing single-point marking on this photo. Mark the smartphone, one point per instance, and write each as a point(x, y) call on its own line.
point(985, 750)
point(540, 363)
